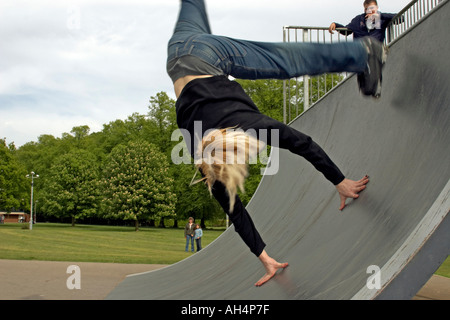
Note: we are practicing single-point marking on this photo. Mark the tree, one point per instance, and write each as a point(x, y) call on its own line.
point(137, 184)
point(162, 114)
point(71, 189)
point(320, 85)
point(117, 132)
point(80, 132)
point(193, 201)
point(39, 157)
point(13, 184)
point(267, 94)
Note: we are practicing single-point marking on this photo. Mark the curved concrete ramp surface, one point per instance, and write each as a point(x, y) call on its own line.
point(400, 223)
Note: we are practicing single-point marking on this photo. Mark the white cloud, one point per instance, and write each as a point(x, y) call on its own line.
point(76, 62)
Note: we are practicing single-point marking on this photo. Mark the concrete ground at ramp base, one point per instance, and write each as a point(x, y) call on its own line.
point(46, 280)
point(400, 223)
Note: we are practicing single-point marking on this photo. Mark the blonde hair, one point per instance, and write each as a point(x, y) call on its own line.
point(224, 155)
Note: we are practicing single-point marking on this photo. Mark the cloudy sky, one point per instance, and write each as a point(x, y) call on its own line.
point(68, 63)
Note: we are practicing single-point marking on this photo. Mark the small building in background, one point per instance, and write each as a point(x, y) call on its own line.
point(13, 217)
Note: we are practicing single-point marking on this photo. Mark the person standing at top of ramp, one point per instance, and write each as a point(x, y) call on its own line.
point(199, 62)
point(371, 23)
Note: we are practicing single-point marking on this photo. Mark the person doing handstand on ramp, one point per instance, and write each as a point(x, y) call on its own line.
point(199, 64)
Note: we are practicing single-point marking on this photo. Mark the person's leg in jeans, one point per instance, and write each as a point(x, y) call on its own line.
point(192, 18)
point(278, 60)
point(257, 60)
point(187, 242)
point(189, 239)
point(261, 60)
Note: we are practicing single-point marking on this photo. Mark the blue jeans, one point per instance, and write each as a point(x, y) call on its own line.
point(258, 60)
point(189, 238)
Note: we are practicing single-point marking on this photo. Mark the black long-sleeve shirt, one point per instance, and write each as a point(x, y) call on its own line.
point(359, 29)
point(219, 103)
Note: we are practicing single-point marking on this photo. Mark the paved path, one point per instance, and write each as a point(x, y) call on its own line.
point(437, 288)
point(22, 280)
point(47, 280)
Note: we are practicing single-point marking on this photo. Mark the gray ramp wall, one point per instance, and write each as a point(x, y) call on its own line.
point(400, 222)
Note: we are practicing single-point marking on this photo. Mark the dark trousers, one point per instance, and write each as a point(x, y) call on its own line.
point(199, 244)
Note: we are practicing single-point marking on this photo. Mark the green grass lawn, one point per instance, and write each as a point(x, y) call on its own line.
point(444, 270)
point(89, 243)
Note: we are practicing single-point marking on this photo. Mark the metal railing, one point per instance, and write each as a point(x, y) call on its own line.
point(409, 16)
point(301, 93)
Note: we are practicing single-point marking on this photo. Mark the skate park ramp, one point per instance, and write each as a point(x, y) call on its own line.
point(400, 225)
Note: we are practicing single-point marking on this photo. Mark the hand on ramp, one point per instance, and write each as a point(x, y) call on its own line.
point(350, 189)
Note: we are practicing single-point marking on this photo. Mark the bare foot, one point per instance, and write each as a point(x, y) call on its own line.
point(271, 266)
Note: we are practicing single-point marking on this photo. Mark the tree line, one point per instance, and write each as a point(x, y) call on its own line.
point(123, 172)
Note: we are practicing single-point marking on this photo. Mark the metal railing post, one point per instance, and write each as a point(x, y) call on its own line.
point(305, 78)
point(284, 85)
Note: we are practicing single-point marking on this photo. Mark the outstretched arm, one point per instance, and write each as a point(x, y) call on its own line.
point(350, 189)
point(334, 25)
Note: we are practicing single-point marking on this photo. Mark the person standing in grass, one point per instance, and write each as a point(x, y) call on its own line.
point(198, 234)
point(189, 233)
